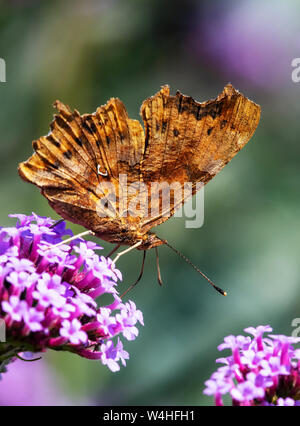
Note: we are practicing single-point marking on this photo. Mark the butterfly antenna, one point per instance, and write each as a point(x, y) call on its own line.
point(139, 277)
point(158, 268)
point(196, 269)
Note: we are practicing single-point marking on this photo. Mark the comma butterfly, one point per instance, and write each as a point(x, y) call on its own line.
point(96, 169)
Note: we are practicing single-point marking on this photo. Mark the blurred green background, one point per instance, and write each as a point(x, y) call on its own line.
point(83, 53)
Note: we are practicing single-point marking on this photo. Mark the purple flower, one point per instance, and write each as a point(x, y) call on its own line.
point(217, 386)
point(72, 331)
point(107, 321)
point(128, 318)
point(258, 331)
point(86, 249)
point(251, 358)
point(47, 297)
point(53, 282)
point(33, 319)
point(48, 292)
point(286, 402)
point(20, 265)
point(15, 308)
point(273, 367)
point(247, 390)
point(247, 45)
point(112, 354)
point(235, 342)
point(64, 311)
point(260, 371)
point(21, 280)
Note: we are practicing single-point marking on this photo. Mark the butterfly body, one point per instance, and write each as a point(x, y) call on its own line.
point(148, 241)
point(100, 170)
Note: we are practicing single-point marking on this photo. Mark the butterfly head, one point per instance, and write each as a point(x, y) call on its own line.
point(150, 240)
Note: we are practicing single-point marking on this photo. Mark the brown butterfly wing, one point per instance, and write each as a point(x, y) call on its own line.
point(67, 162)
point(189, 141)
point(119, 140)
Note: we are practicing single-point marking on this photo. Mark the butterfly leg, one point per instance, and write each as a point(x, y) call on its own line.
point(56, 223)
point(139, 277)
point(158, 268)
point(113, 250)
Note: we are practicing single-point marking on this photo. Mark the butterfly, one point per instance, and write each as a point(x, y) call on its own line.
point(93, 168)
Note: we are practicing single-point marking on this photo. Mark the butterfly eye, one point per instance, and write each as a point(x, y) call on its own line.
point(101, 173)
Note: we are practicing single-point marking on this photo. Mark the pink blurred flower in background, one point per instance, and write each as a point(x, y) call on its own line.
point(32, 383)
point(245, 40)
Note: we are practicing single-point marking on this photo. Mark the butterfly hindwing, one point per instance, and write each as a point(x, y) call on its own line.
point(192, 141)
point(196, 141)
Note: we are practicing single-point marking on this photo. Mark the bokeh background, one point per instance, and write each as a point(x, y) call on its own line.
point(86, 52)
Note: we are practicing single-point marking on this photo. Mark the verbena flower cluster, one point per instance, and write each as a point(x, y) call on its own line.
point(48, 291)
point(261, 371)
